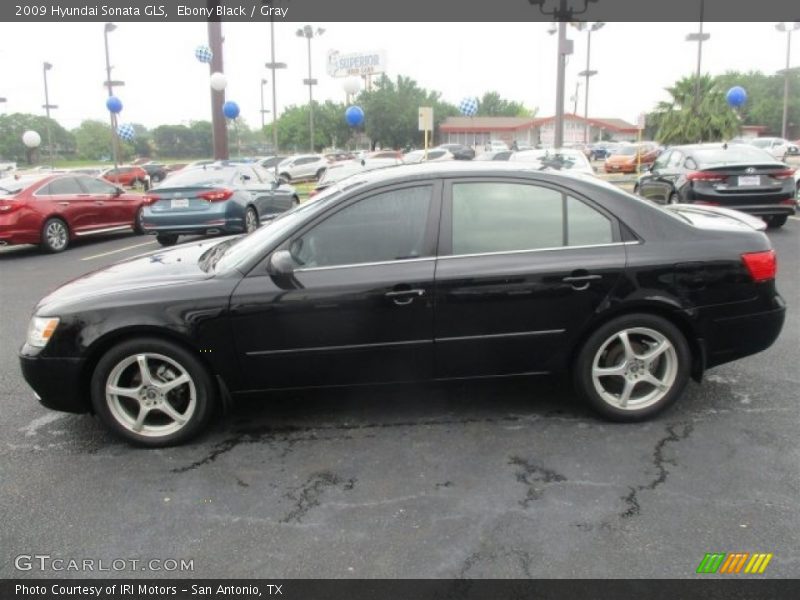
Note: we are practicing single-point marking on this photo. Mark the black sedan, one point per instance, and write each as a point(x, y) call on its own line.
point(459, 151)
point(437, 271)
point(212, 199)
point(735, 176)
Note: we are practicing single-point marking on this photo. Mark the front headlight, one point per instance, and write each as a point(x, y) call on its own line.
point(41, 330)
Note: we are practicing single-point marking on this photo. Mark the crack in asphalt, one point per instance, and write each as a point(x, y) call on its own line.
point(290, 435)
point(309, 494)
point(530, 474)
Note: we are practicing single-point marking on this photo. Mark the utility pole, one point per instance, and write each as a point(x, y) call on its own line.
point(309, 33)
point(273, 66)
point(109, 27)
point(47, 106)
point(788, 28)
point(699, 37)
point(218, 126)
point(587, 74)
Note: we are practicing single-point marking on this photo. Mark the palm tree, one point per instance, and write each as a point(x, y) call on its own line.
point(684, 120)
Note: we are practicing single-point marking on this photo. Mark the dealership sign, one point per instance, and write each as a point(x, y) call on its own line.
point(357, 63)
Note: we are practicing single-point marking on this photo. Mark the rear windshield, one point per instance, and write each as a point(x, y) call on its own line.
point(624, 151)
point(732, 154)
point(11, 185)
point(200, 176)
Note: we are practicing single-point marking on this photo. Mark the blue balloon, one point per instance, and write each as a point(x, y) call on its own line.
point(230, 109)
point(354, 115)
point(736, 96)
point(114, 104)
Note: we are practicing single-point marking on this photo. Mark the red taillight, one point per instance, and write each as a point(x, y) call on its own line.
point(705, 176)
point(151, 199)
point(216, 195)
point(9, 206)
point(762, 266)
point(785, 174)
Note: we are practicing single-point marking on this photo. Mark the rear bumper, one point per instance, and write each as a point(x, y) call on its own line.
point(195, 226)
point(56, 382)
point(730, 338)
point(762, 205)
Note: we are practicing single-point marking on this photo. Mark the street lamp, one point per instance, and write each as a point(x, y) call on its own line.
point(109, 83)
point(563, 13)
point(46, 66)
point(309, 33)
point(698, 37)
point(263, 111)
point(274, 66)
point(589, 28)
point(788, 28)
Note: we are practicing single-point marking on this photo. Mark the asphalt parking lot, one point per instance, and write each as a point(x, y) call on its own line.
point(492, 479)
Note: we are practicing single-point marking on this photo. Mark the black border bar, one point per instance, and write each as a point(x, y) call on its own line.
point(397, 10)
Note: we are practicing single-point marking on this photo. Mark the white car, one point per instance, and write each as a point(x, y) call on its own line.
point(568, 159)
point(434, 154)
point(303, 167)
point(777, 147)
point(495, 146)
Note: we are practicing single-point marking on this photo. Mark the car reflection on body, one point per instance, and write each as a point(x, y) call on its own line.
point(567, 159)
point(440, 271)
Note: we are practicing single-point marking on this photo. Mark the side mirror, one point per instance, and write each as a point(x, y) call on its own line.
point(245, 177)
point(281, 263)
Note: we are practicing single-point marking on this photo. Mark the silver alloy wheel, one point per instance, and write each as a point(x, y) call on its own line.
point(250, 220)
point(56, 234)
point(151, 394)
point(634, 368)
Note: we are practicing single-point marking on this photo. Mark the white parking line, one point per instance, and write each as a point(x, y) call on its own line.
point(795, 218)
point(118, 250)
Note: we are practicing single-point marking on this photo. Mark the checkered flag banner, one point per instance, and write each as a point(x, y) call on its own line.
point(126, 132)
point(203, 54)
point(468, 107)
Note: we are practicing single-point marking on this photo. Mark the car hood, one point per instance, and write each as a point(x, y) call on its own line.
point(152, 270)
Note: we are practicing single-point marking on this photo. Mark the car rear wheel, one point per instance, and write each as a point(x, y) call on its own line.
point(633, 367)
point(674, 198)
point(167, 239)
point(55, 236)
point(250, 220)
point(152, 392)
point(138, 221)
point(777, 221)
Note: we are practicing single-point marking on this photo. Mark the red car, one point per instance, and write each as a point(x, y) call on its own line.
point(127, 176)
point(52, 210)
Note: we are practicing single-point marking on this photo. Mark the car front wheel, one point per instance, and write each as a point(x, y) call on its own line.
point(250, 220)
point(167, 239)
point(633, 367)
point(152, 392)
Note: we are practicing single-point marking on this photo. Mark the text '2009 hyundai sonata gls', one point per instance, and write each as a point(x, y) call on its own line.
point(437, 271)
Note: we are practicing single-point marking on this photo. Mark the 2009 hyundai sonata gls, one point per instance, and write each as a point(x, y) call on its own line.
point(418, 272)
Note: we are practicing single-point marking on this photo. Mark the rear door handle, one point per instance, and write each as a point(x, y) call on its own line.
point(581, 282)
point(64, 203)
point(403, 297)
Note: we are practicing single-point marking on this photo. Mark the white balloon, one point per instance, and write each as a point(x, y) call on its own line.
point(352, 85)
point(218, 81)
point(31, 139)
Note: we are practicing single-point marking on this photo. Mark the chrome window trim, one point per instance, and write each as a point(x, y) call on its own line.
point(365, 264)
point(548, 249)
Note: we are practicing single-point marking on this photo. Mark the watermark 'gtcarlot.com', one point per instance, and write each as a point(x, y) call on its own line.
point(47, 562)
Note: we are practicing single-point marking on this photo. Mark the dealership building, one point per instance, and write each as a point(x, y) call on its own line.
point(476, 131)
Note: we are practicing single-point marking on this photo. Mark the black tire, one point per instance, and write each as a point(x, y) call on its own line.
point(285, 177)
point(115, 413)
point(250, 220)
point(138, 223)
point(676, 367)
point(777, 221)
point(55, 235)
point(674, 198)
point(636, 189)
point(167, 239)
point(320, 173)
point(295, 200)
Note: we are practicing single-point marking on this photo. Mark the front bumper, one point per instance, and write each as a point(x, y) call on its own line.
point(56, 381)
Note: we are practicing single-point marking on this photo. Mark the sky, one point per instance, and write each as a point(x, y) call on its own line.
point(165, 83)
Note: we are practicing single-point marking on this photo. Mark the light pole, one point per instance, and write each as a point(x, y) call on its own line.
point(788, 28)
point(588, 73)
point(309, 33)
point(698, 37)
point(274, 66)
point(563, 13)
point(109, 83)
point(47, 106)
point(263, 110)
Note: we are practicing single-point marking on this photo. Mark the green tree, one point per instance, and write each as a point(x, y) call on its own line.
point(685, 120)
point(330, 128)
point(92, 140)
point(194, 140)
point(764, 104)
point(14, 125)
point(493, 105)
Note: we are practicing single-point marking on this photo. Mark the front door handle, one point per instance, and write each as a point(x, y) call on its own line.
point(581, 282)
point(63, 203)
point(403, 297)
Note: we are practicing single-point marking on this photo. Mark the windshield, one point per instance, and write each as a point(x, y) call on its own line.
point(243, 248)
point(761, 143)
point(624, 151)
